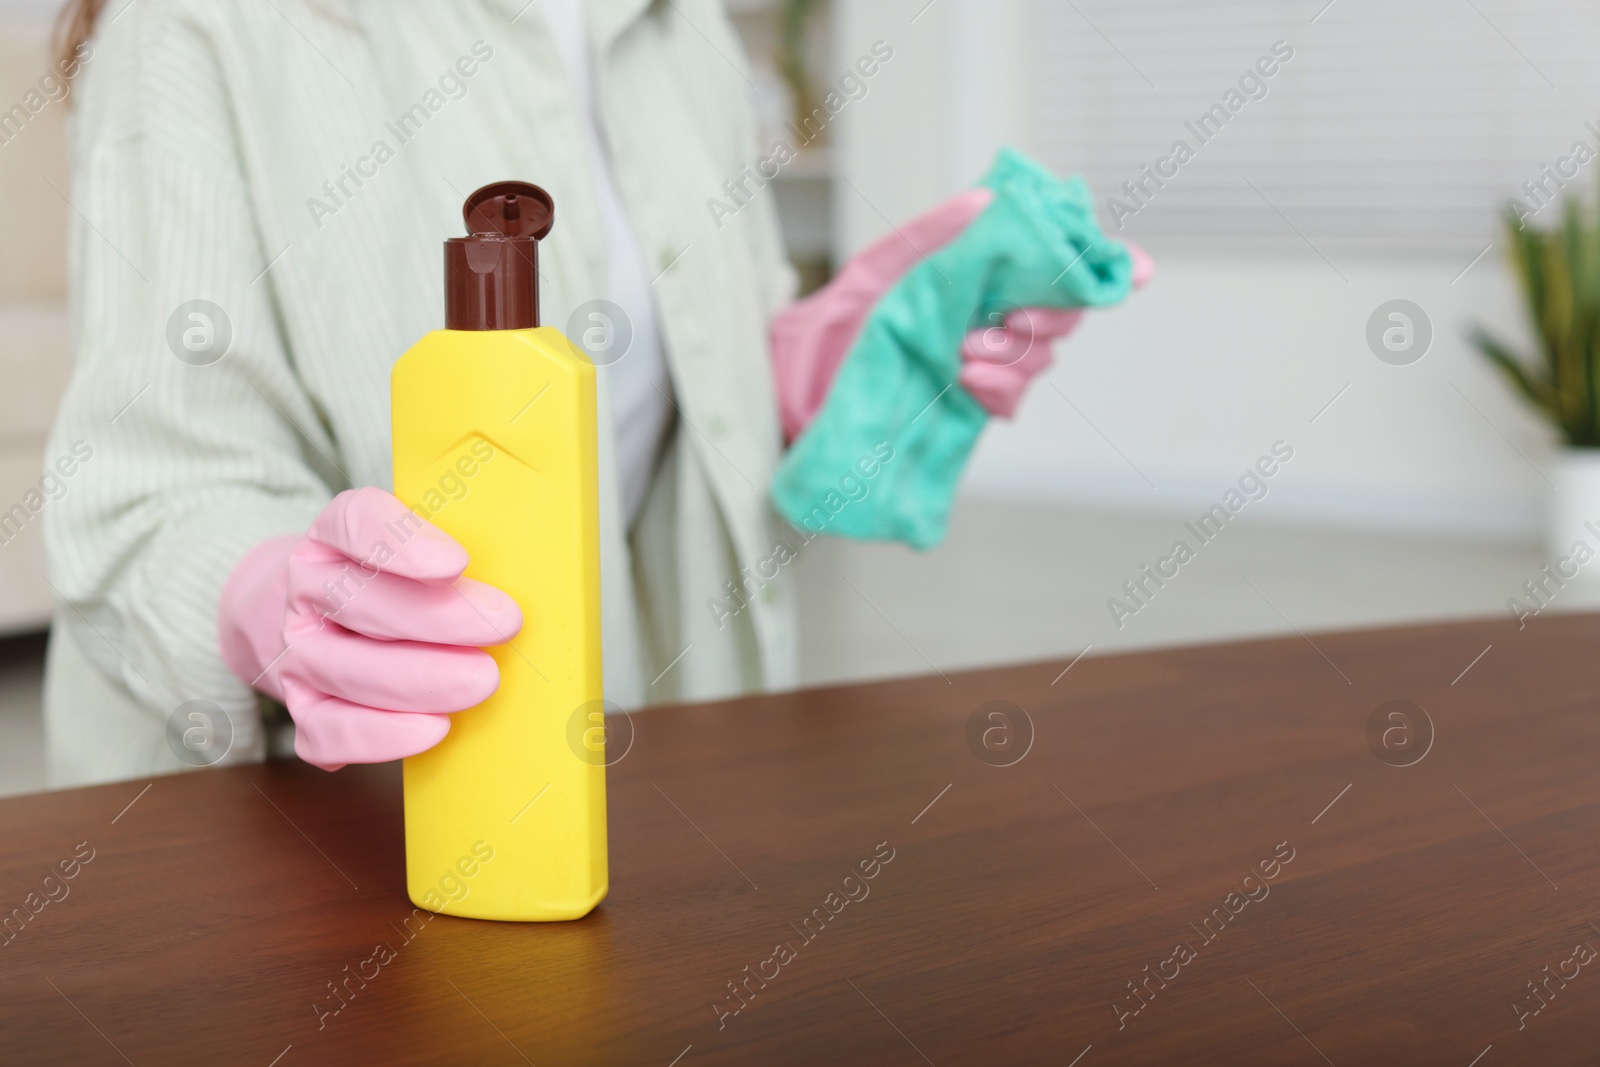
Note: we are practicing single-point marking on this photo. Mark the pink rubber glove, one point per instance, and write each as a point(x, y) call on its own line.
point(812, 337)
point(365, 630)
point(998, 363)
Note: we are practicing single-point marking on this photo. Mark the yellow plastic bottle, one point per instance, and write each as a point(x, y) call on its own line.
point(494, 443)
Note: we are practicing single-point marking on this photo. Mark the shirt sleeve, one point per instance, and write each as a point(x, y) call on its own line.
point(188, 435)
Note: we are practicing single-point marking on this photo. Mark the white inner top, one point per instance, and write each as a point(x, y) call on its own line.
point(639, 382)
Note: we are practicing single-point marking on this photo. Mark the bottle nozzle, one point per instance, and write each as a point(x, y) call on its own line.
point(491, 276)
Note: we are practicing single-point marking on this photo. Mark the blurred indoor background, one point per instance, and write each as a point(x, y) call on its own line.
point(1373, 165)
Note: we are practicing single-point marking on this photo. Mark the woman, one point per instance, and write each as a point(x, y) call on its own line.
point(261, 189)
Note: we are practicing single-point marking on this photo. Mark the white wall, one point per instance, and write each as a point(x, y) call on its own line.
point(1228, 350)
point(1220, 357)
point(38, 10)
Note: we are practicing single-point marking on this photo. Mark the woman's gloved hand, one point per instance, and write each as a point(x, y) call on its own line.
point(365, 629)
point(999, 361)
point(812, 337)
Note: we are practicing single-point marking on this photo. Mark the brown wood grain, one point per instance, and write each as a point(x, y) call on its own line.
point(1013, 914)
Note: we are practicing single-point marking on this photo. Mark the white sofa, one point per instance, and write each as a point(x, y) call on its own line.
point(35, 351)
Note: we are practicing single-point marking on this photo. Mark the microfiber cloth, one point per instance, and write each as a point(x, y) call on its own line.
point(896, 407)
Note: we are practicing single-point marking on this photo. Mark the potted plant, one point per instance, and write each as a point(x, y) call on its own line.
point(1558, 271)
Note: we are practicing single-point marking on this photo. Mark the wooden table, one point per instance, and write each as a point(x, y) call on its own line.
point(1019, 904)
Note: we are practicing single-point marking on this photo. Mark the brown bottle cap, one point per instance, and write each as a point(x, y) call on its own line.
point(491, 276)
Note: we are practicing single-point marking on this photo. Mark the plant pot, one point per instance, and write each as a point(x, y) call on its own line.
point(1571, 577)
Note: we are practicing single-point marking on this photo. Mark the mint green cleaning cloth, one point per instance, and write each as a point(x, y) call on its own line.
point(1036, 245)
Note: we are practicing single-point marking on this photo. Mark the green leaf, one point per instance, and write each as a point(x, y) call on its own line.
point(1558, 272)
point(1541, 395)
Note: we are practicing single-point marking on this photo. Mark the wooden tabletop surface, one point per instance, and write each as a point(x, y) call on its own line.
point(1236, 854)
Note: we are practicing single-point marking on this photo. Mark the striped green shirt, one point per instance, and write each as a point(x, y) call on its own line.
point(295, 165)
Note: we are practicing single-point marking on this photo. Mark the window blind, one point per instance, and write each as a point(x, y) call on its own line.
point(1392, 125)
